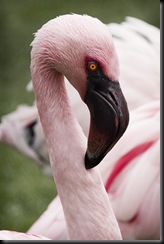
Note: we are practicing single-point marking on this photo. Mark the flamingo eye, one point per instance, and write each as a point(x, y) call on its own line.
point(92, 66)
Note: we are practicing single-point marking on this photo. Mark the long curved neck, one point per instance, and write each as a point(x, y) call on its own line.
point(86, 205)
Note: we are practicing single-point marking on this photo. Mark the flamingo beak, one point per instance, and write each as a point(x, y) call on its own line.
point(109, 117)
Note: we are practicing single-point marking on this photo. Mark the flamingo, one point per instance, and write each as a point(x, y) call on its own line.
point(133, 28)
point(67, 46)
point(136, 221)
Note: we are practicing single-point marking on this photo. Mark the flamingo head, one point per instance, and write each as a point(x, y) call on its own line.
point(82, 49)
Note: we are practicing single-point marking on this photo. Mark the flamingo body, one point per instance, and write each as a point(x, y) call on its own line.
point(139, 176)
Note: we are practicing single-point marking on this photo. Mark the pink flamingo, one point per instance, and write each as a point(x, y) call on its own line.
point(132, 29)
point(94, 73)
point(136, 220)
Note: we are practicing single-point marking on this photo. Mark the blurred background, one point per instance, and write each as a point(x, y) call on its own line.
point(25, 191)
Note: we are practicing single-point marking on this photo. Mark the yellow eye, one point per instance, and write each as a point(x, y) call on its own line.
point(92, 66)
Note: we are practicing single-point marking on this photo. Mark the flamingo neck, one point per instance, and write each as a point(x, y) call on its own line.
point(86, 205)
point(62, 131)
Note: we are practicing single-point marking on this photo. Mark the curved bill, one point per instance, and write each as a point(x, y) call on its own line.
point(109, 118)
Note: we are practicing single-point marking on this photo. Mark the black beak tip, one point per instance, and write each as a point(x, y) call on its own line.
point(90, 163)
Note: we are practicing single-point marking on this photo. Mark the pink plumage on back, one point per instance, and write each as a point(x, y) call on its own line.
point(138, 181)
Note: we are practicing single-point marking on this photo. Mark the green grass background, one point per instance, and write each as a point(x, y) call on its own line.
point(25, 191)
